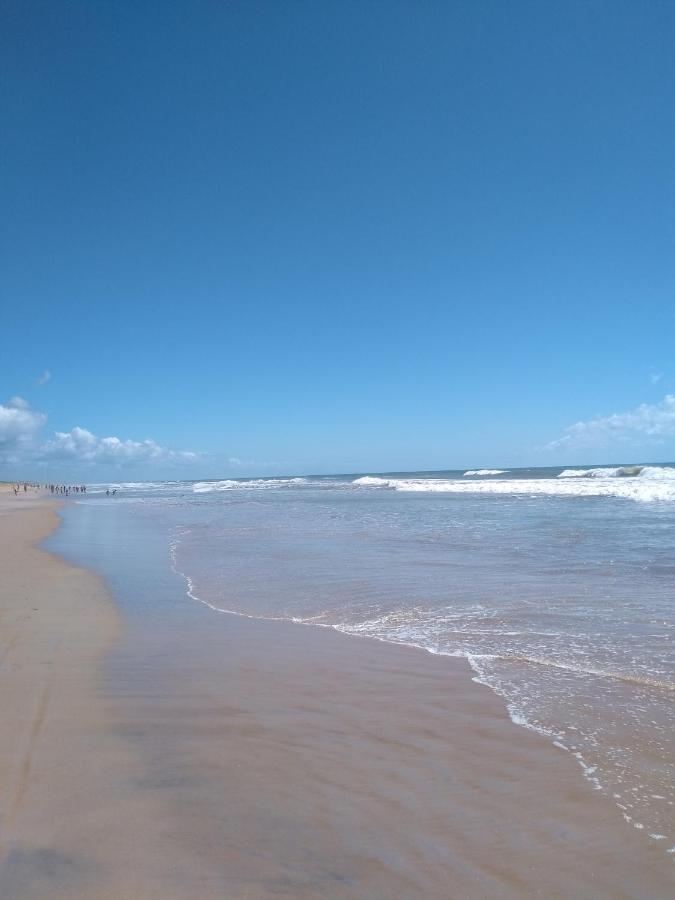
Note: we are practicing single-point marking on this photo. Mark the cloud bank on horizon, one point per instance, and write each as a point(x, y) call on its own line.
point(21, 443)
point(648, 423)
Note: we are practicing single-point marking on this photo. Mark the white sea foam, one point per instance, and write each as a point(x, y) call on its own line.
point(648, 472)
point(231, 484)
point(485, 472)
point(653, 483)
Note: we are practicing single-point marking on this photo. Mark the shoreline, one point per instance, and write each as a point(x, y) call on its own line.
point(473, 672)
point(248, 758)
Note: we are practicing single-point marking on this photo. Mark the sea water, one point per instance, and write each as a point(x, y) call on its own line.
point(557, 586)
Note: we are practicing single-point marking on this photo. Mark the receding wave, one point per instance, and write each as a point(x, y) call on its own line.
point(485, 472)
point(589, 670)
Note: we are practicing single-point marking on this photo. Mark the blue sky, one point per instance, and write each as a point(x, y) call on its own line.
point(349, 236)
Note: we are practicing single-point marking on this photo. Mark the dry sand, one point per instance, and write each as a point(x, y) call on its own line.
point(229, 758)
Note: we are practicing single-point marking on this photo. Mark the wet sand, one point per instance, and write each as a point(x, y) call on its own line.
point(206, 755)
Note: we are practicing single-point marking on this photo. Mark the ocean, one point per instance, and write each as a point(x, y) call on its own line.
point(556, 585)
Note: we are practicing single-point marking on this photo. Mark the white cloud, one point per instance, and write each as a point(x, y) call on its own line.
point(647, 423)
point(19, 424)
point(20, 443)
point(83, 446)
point(44, 378)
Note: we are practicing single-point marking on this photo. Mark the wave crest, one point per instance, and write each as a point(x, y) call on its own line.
point(653, 472)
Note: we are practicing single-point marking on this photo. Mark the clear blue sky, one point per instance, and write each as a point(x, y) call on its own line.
point(337, 236)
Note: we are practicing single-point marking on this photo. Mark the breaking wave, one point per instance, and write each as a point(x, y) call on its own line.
point(485, 472)
point(640, 483)
point(620, 472)
point(232, 484)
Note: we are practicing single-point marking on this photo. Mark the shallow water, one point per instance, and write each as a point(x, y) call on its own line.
point(556, 585)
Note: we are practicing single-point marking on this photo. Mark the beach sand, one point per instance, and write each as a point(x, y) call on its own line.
point(234, 758)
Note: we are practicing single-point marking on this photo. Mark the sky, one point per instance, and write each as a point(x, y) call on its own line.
point(246, 238)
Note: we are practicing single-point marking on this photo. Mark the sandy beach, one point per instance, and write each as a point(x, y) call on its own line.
point(235, 758)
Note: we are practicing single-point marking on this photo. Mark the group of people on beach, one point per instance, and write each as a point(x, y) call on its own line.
point(61, 489)
point(66, 488)
point(26, 485)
